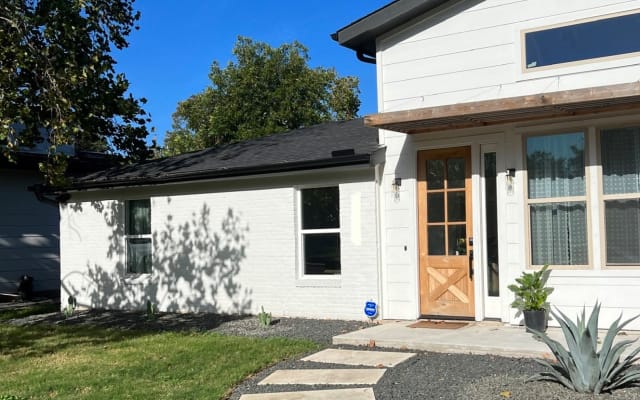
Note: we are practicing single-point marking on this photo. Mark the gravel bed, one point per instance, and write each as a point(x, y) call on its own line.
point(445, 377)
point(319, 331)
point(425, 376)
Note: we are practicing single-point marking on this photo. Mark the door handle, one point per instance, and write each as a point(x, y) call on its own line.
point(470, 264)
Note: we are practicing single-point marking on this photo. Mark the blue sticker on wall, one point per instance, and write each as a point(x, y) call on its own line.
point(370, 309)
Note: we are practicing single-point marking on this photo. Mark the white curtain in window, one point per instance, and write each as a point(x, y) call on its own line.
point(559, 234)
point(622, 220)
point(620, 154)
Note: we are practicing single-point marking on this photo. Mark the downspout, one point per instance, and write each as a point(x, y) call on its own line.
point(38, 191)
point(365, 58)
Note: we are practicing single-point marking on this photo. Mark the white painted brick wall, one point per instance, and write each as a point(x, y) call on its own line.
point(196, 237)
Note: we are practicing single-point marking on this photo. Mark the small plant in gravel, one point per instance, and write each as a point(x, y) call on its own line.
point(152, 310)
point(264, 318)
point(582, 367)
point(70, 308)
point(11, 397)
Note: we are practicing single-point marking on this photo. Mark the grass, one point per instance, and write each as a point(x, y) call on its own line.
point(22, 312)
point(40, 362)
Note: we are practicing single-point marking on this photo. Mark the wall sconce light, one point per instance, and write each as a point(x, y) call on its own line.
point(395, 187)
point(510, 176)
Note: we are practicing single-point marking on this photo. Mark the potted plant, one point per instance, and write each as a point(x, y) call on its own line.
point(531, 298)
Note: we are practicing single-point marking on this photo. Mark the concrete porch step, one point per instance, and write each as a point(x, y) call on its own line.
point(335, 394)
point(359, 357)
point(368, 376)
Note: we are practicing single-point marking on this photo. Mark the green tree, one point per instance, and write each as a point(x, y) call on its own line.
point(266, 90)
point(57, 79)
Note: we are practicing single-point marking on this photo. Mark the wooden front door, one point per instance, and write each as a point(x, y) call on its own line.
point(446, 248)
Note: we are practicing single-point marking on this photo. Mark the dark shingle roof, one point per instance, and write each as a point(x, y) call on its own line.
point(320, 146)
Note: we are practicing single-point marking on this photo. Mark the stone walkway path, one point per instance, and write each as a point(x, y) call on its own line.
point(376, 363)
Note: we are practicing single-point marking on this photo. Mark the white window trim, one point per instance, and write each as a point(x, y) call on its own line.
point(302, 279)
point(128, 274)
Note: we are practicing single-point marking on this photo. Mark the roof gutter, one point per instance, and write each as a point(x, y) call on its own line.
point(341, 161)
point(365, 58)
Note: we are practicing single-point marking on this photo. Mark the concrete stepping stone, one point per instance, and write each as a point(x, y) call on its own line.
point(337, 394)
point(324, 377)
point(359, 357)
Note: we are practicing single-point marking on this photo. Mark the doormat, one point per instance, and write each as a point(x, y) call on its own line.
point(438, 324)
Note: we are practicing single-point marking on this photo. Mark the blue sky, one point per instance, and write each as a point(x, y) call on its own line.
point(168, 59)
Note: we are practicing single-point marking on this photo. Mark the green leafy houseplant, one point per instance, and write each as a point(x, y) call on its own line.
point(531, 290)
point(581, 367)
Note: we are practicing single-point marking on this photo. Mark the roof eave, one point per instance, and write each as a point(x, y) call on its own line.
point(344, 161)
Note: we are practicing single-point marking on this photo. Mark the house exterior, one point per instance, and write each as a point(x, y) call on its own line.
point(286, 222)
point(513, 128)
point(29, 230)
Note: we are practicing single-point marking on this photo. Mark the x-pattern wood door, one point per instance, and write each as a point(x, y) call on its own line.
point(445, 223)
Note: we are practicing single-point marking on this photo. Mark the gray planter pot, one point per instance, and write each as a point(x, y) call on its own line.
point(535, 319)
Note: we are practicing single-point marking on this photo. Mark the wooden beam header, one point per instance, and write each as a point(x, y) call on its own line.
point(566, 103)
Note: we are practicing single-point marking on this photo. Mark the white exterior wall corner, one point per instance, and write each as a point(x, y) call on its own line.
point(221, 249)
point(475, 55)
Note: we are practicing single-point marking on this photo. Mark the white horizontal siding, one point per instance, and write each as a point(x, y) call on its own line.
point(475, 55)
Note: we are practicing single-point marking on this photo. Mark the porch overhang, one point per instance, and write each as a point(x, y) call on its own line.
point(568, 103)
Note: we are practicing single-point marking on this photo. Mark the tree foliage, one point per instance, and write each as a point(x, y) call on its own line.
point(57, 79)
point(266, 90)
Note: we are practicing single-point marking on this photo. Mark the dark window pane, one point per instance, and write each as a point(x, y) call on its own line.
point(457, 240)
point(320, 208)
point(435, 174)
point(435, 207)
point(602, 38)
point(139, 256)
point(622, 220)
point(139, 217)
point(620, 155)
point(456, 206)
point(455, 173)
point(491, 227)
point(322, 254)
point(435, 237)
point(555, 165)
point(559, 233)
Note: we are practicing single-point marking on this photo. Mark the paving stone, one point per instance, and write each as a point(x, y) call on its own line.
point(359, 357)
point(336, 394)
point(368, 376)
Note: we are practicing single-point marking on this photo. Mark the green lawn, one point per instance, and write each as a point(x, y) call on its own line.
point(89, 363)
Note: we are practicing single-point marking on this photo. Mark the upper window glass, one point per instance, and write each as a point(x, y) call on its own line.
point(583, 41)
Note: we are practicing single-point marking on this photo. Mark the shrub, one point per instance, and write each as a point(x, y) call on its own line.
point(582, 367)
point(264, 318)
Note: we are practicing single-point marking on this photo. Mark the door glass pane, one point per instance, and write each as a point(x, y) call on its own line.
point(456, 206)
point(435, 238)
point(491, 225)
point(620, 155)
point(559, 233)
point(435, 207)
point(455, 173)
point(622, 219)
point(555, 165)
point(435, 174)
point(457, 240)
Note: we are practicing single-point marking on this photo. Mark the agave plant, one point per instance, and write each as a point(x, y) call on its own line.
point(582, 367)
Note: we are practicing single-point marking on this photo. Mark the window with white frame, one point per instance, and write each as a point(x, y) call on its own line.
point(556, 201)
point(320, 230)
point(138, 236)
point(620, 160)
